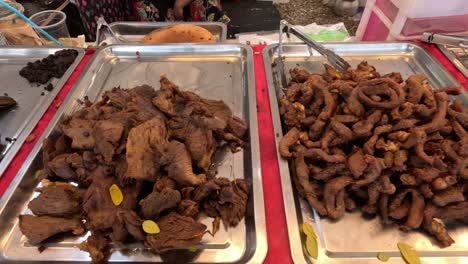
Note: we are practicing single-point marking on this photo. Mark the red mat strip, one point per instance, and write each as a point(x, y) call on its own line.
point(278, 241)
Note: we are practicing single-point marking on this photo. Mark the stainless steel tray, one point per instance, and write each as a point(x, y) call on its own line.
point(133, 32)
point(213, 71)
point(458, 56)
point(354, 239)
point(18, 123)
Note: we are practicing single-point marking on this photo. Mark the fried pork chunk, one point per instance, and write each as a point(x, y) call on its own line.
point(145, 146)
point(60, 199)
point(100, 170)
point(397, 148)
point(39, 228)
point(177, 232)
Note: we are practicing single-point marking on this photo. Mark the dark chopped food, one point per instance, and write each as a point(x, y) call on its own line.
point(177, 232)
point(7, 102)
point(55, 65)
point(392, 147)
point(136, 155)
point(39, 228)
point(49, 87)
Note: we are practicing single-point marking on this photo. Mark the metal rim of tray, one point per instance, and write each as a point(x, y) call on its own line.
point(454, 59)
point(292, 213)
point(156, 25)
point(28, 128)
point(260, 223)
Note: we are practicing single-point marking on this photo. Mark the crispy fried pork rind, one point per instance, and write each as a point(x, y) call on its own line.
point(394, 148)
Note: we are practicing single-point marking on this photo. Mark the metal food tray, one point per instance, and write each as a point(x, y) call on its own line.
point(354, 239)
point(18, 122)
point(458, 56)
point(212, 71)
point(133, 32)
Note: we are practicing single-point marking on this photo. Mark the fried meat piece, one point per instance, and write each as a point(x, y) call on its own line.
point(232, 202)
point(144, 146)
point(287, 141)
point(56, 200)
point(61, 168)
point(179, 166)
point(177, 232)
point(97, 246)
point(98, 206)
point(334, 196)
point(156, 202)
point(306, 188)
point(198, 139)
point(188, 208)
point(127, 223)
point(107, 135)
point(381, 87)
point(451, 195)
point(356, 163)
point(39, 228)
point(79, 130)
point(415, 211)
point(299, 75)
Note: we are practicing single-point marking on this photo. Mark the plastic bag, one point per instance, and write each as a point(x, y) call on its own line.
point(335, 32)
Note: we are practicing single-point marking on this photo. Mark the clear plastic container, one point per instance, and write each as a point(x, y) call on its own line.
point(8, 19)
point(408, 19)
point(14, 29)
point(53, 22)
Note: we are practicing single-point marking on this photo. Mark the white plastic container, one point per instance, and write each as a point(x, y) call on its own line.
point(408, 19)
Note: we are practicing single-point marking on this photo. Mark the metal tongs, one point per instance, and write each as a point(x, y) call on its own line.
point(452, 40)
point(336, 61)
point(102, 37)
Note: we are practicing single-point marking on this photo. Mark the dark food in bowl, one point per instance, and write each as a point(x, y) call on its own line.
point(135, 139)
point(55, 65)
point(393, 148)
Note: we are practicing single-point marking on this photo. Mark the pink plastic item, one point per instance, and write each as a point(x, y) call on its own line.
point(408, 19)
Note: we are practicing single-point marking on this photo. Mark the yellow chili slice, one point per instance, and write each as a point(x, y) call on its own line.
point(308, 230)
point(38, 174)
point(192, 249)
point(409, 254)
point(383, 257)
point(312, 247)
point(116, 194)
point(150, 227)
